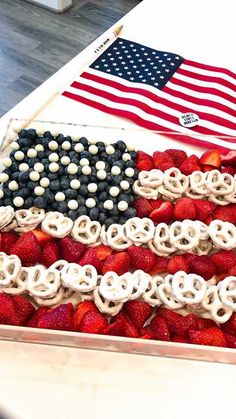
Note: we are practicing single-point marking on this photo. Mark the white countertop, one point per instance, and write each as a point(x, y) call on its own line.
point(54, 382)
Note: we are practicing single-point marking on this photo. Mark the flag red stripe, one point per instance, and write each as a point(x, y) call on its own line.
point(209, 79)
point(156, 99)
point(166, 89)
point(210, 68)
point(141, 122)
point(201, 89)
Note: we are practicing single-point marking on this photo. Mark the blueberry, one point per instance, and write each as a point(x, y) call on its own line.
point(7, 171)
point(83, 190)
point(62, 154)
point(24, 142)
point(65, 183)
point(23, 193)
point(124, 197)
point(130, 213)
point(136, 172)
point(41, 155)
point(14, 166)
point(103, 156)
point(122, 220)
point(130, 180)
point(68, 138)
point(33, 161)
point(45, 141)
point(76, 161)
point(101, 207)
point(40, 202)
point(47, 134)
point(102, 186)
point(54, 206)
point(94, 160)
point(102, 217)
point(43, 174)
point(44, 161)
point(7, 192)
point(101, 147)
point(85, 155)
point(31, 134)
point(52, 176)
point(7, 201)
point(22, 133)
point(133, 155)
point(100, 144)
point(111, 159)
point(15, 175)
point(80, 200)
point(61, 171)
point(120, 164)
point(55, 185)
point(117, 155)
point(109, 221)
point(73, 155)
point(94, 213)
point(114, 211)
point(110, 178)
point(62, 207)
point(31, 185)
point(121, 146)
point(73, 214)
point(103, 196)
point(1, 202)
point(84, 179)
point(71, 193)
point(23, 177)
point(107, 167)
point(117, 180)
point(48, 196)
point(82, 210)
point(83, 141)
point(60, 139)
point(28, 203)
point(130, 163)
point(93, 178)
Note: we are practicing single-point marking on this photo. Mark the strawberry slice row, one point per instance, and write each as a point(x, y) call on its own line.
point(136, 320)
point(161, 211)
point(209, 160)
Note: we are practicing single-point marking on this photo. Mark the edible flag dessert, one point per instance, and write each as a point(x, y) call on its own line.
point(155, 89)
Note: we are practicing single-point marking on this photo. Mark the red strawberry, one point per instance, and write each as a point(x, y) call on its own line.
point(103, 251)
point(212, 158)
point(162, 160)
point(144, 161)
point(116, 329)
point(209, 219)
point(24, 308)
point(138, 312)
point(230, 326)
point(226, 213)
point(180, 339)
point(130, 330)
point(33, 321)
point(231, 341)
point(50, 253)
point(159, 266)
point(160, 329)
point(155, 203)
point(203, 266)
point(211, 337)
point(224, 260)
point(190, 165)
point(8, 311)
point(178, 156)
point(28, 249)
point(59, 318)
point(185, 209)
point(189, 256)
point(203, 208)
point(143, 207)
point(205, 323)
point(207, 168)
point(177, 263)
point(90, 258)
point(141, 258)
point(163, 214)
point(41, 236)
point(80, 311)
point(148, 335)
point(229, 159)
point(178, 325)
point(93, 322)
point(230, 170)
point(7, 241)
point(70, 249)
point(117, 262)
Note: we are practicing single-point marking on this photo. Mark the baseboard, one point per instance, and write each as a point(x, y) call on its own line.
point(58, 6)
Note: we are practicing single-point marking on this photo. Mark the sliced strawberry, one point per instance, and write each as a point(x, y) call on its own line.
point(8, 239)
point(178, 325)
point(229, 159)
point(50, 253)
point(141, 258)
point(177, 263)
point(80, 311)
point(190, 165)
point(138, 312)
point(41, 236)
point(143, 207)
point(185, 209)
point(24, 308)
point(207, 168)
point(93, 322)
point(33, 321)
point(162, 160)
point(212, 158)
point(28, 249)
point(130, 331)
point(205, 323)
point(211, 337)
point(224, 260)
point(116, 329)
point(160, 328)
point(144, 161)
point(178, 156)
point(155, 203)
point(203, 208)
point(229, 169)
point(203, 266)
point(8, 311)
point(59, 318)
point(226, 213)
point(159, 266)
point(70, 250)
point(163, 214)
point(117, 262)
point(103, 251)
point(90, 258)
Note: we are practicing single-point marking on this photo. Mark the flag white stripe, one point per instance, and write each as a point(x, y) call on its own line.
point(126, 95)
point(206, 84)
point(208, 73)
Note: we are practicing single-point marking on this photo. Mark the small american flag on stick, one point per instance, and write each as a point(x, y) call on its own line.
point(154, 88)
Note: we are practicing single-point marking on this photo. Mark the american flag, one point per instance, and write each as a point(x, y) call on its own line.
point(154, 88)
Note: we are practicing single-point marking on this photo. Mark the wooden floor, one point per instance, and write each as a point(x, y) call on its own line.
point(35, 42)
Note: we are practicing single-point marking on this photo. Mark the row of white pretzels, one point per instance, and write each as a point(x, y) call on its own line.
point(163, 239)
point(172, 184)
point(63, 280)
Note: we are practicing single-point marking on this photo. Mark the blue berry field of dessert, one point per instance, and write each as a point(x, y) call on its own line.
point(71, 176)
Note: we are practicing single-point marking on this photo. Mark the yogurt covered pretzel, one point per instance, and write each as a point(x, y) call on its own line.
point(116, 288)
point(153, 178)
point(19, 285)
point(116, 237)
point(10, 267)
point(223, 234)
point(6, 216)
point(188, 288)
point(227, 292)
point(184, 235)
point(42, 282)
point(86, 231)
point(213, 304)
point(57, 225)
point(106, 306)
point(29, 219)
point(139, 231)
point(79, 278)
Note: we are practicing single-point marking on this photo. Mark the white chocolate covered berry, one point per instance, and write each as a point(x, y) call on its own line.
point(126, 157)
point(7, 162)
point(65, 160)
point(19, 155)
point(75, 184)
point(53, 157)
point(24, 167)
point(114, 191)
point(124, 184)
point(4, 177)
point(92, 187)
point(53, 145)
point(108, 204)
point(39, 167)
point(18, 201)
point(122, 206)
point(39, 191)
point(73, 204)
point(14, 146)
point(39, 147)
point(72, 169)
point(79, 148)
point(13, 185)
point(90, 203)
point(66, 145)
point(31, 153)
point(53, 167)
point(129, 172)
point(101, 174)
point(34, 176)
point(100, 165)
point(110, 149)
point(44, 182)
point(93, 149)
point(60, 197)
point(116, 170)
point(86, 170)
point(84, 162)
